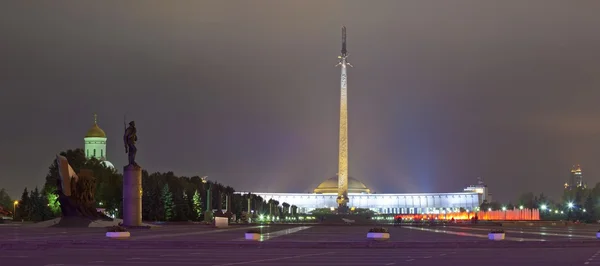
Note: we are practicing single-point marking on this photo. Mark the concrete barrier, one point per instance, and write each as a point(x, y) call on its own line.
point(221, 222)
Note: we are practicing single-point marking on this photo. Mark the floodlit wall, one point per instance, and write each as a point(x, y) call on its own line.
point(508, 215)
point(383, 203)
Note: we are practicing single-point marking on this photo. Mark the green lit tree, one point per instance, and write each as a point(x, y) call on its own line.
point(53, 203)
point(197, 205)
point(168, 204)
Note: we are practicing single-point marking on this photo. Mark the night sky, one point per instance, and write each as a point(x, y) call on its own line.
point(442, 91)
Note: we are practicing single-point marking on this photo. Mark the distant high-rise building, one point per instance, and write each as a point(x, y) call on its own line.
point(576, 178)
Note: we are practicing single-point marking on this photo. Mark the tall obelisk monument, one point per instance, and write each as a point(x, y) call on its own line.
point(342, 198)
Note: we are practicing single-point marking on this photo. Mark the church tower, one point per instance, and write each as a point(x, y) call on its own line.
point(95, 143)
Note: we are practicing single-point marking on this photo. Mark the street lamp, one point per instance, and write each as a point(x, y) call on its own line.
point(504, 208)
point(570, 205)
point(15, 209)
point(521, 207)
point(543, 207)
point(208, 212)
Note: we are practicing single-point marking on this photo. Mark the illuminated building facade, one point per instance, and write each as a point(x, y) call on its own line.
point(95, 144)
point(359, 196)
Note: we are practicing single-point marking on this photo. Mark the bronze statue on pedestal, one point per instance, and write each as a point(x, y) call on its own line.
point(129, 138)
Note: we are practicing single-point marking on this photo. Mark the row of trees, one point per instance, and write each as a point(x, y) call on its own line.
point(33, 206)
point(165, 196)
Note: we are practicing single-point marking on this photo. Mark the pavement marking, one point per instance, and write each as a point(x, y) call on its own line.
point(527, 232)
point(410, 259)
point(275, 259)
point(469, 234)
point(285, 232)
point(194, 233)
point(592, 258)
point(271, 235)
point(392, 263)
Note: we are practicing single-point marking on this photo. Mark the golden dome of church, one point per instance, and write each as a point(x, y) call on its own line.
point(331, 186)
point(95, 131)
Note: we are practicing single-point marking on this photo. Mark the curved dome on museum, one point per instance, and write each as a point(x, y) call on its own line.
point(331, 186)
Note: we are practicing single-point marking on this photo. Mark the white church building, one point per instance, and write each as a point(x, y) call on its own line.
point(95, 144)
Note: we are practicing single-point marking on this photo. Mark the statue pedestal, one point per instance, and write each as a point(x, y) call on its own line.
point(132, 195)
point(343, 209)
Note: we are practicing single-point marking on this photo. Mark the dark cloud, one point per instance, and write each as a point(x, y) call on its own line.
point(442, 92)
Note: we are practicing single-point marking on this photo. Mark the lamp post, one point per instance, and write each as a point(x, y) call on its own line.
point(249, 215)
point(249, 203)
point(208, 212)
point(15, 209)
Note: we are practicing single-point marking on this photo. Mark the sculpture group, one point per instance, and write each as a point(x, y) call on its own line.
point(76, 190)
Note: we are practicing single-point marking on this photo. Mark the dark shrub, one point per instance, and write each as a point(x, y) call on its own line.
point(379, 230)
point(116, 228)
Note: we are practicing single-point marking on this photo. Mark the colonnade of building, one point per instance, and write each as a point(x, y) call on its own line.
point(418, 203)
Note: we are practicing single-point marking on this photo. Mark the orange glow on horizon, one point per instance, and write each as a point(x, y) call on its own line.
point(508, 215)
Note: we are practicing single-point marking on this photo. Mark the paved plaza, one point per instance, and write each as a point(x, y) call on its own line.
point(298, 257)
point(300, 245)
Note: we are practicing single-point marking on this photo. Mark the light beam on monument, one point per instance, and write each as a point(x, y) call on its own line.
point(342, 198)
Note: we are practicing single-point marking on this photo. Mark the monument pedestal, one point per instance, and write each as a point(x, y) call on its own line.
point(132, 195)
point(342, 209)
point(342, 202)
